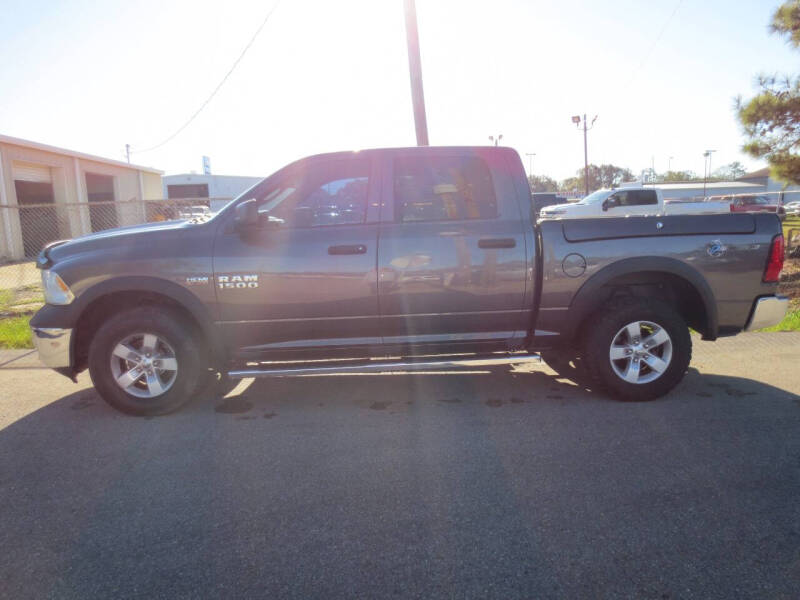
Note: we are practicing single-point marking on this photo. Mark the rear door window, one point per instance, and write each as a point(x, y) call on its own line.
point(443, 189)
point(638, 198)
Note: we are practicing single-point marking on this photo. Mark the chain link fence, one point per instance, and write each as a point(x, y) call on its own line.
point(28, 227)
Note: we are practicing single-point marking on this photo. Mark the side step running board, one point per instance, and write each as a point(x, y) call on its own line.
point(384, 366)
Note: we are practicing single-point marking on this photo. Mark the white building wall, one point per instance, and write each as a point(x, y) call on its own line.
point(71, 208)
point(221, 188)
point(686, 191)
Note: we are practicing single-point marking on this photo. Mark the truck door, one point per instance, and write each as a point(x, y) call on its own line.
point(305, 279)
point(452, 254)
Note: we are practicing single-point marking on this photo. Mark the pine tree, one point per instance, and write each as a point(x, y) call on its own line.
point(771, 120)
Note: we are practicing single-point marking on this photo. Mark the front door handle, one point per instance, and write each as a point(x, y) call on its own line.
point(349, 249)
point(497, 243)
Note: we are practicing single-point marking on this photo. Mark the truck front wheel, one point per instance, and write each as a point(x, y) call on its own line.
point(638, 349)
point(145, 361)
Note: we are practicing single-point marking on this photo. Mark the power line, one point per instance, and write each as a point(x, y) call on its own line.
point(654, 44)
point(219, 85)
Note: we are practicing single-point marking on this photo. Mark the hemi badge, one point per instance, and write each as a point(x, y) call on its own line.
point(202, 280)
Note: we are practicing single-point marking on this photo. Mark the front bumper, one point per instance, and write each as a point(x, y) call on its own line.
point(767, 311)
point(53, 345)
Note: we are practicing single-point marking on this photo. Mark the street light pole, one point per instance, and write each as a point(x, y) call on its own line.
point(585, 158)
point(577, 120)
point(706, 168)
point(530, 156)
point(415, 70)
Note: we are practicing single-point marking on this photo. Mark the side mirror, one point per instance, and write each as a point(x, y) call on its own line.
point(246, 215)
point(609, 203)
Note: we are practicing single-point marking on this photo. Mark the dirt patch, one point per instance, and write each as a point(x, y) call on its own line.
point(790, 281)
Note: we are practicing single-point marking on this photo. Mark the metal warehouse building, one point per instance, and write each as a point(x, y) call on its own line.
point(49, 193)
point(218, 189)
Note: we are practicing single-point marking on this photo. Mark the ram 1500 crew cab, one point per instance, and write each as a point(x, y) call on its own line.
point(399, 259)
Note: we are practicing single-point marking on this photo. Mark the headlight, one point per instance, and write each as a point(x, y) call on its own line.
point(55, 290)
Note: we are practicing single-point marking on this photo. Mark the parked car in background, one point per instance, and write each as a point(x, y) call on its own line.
point(192, 212)
point(755, 203)
point(630, 201)
point(544, 199)
point(792, 209)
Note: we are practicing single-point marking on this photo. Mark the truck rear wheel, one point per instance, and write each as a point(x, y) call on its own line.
point(145, 361)
point(638, 349)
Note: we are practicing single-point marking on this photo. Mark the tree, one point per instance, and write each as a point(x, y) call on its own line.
point(603, 176)
point(730, 171)
point(680, 176)
point(771, 120)
point(542, 183)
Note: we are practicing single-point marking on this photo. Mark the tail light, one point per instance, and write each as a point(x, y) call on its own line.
point(775, 261)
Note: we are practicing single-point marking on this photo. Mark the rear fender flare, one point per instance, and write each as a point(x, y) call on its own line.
point(585, 301)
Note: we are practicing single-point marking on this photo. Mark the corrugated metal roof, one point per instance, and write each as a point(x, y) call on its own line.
point(715, 185)
point(761, 173)
point(12, 141)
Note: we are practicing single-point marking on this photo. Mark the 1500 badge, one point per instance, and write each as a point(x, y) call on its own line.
point(232, 282)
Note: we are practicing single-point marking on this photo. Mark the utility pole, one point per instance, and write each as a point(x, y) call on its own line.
point(577, 120)
point(706, 168)
point(496, 139)
point(415, 70)
point(669, 164)
point(530, 156)
point(128, 152)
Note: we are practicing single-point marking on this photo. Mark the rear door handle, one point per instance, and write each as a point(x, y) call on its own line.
point(498, 243)
point(351, 249)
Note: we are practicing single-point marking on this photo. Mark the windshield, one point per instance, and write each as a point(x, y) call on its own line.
point(596, 197)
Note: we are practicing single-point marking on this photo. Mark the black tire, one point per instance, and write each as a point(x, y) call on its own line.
point(568, 364)
point(169, 326)
point(606, 326)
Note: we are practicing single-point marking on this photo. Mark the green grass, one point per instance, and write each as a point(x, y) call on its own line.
point(790, 223)
point(6, 298)
point(15, 333)
point(791, 322)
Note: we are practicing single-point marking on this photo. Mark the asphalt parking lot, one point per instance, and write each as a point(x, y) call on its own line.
point(492, 483)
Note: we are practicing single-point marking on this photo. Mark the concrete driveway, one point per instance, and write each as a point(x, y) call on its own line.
point(484, 484)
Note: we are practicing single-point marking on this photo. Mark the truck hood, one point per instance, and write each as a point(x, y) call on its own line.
point(116, 239)
point(570, 209)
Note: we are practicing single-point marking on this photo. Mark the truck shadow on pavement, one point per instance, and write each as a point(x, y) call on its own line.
point(478, 466)
point(488, 388)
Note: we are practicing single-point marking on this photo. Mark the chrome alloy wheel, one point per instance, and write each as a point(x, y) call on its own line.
point(640, 352)
point(144, 365)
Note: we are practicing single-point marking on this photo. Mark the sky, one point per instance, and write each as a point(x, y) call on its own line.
point(661, 76)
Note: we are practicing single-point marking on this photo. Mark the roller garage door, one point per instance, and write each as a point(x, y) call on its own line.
point(37, 216)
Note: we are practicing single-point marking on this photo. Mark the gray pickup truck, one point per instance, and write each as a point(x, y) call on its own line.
point(399, 260)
